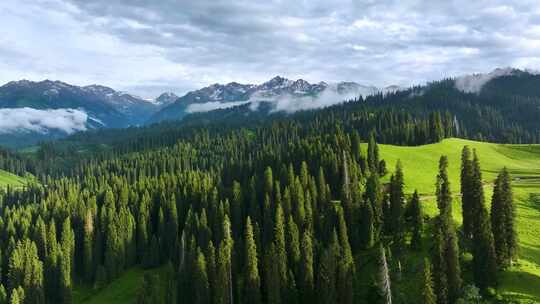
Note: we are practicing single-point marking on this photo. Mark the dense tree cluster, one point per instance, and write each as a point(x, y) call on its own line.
point(291, 211)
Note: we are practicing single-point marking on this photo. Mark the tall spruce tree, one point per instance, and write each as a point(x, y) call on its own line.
point(484, 258)
point(367, 233)
point(280, 247)
point(428, 296)
point(3, 295)
point(307, 282)
point(417, 221)
point(439, 266)
point(383, 281)
point(373, 154)
point(252, 281)
point(346, 267)
point(224, 294)
point(502, 220)
point(200, 280)
point(450, 248)
point(397, 200)
point(327, 274)
point(272, 276)
point(466, 192)
point(374, 197)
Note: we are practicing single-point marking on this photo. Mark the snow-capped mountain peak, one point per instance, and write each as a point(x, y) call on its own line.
point(281, 93)
point(165, 99)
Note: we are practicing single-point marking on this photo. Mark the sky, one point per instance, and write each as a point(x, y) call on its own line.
point(147, 47)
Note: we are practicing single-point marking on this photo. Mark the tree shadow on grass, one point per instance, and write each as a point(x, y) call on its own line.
point(530, 253)
point(521, 286)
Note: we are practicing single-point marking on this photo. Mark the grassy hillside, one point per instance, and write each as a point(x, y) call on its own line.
point(523, 161)
point(7, 178)
point(122, 290)
point(420, 167)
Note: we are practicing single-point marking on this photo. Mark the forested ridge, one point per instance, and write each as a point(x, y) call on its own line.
point(270, 208)
point(505, 110)
point(288, 212)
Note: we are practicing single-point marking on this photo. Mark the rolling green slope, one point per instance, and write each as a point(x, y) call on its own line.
point(122, 290)
point(10, 179)
point(420, 164)
point(522, 282)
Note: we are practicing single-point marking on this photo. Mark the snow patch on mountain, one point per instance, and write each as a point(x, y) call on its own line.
point(164, 99)
point(283, 95)
point(42, 121)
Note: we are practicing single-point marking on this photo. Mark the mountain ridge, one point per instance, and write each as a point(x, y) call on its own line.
point(32, 111)
point(276, 90)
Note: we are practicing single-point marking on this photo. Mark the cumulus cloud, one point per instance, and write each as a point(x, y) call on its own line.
point(183, 45)
point(42, 121)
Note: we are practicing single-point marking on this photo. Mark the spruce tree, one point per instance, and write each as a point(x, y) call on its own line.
point(383, 274)
point(25, 271)
point(268, 181)
point(280, 246)
point(272, 276)
point(3, 295)
point(143, 219)
point(484, 258)
point(88, 246)
point(502, 220)
point(65, 279)
point(373, 154)
point(68, 244)
point(448, 233)
point(346, 268)
point(51, 265)
point(252, 281)
point(439, 266)
point(224, 263)
point(374, 198)
point(200, 280)
point(293, 245)
point(417, 221)
point(236, 208)
point(367, 233)
point(397, 198)
point(15, 298)
point(327, 274)
point(307, 283)
point(466, 195)
point(428, 296)
point(498, 223)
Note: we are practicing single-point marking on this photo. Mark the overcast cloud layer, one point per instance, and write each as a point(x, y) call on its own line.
point(149, 46)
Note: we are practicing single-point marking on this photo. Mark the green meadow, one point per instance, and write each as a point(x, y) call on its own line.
point(10, 179)
point(420, 165)
point(123, 290)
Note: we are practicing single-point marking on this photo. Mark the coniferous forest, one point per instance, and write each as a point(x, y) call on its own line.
point(295, 210)
point(269, 152)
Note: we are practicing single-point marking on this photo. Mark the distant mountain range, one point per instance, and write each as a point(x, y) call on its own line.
point(33, 111)
point(284, 94)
